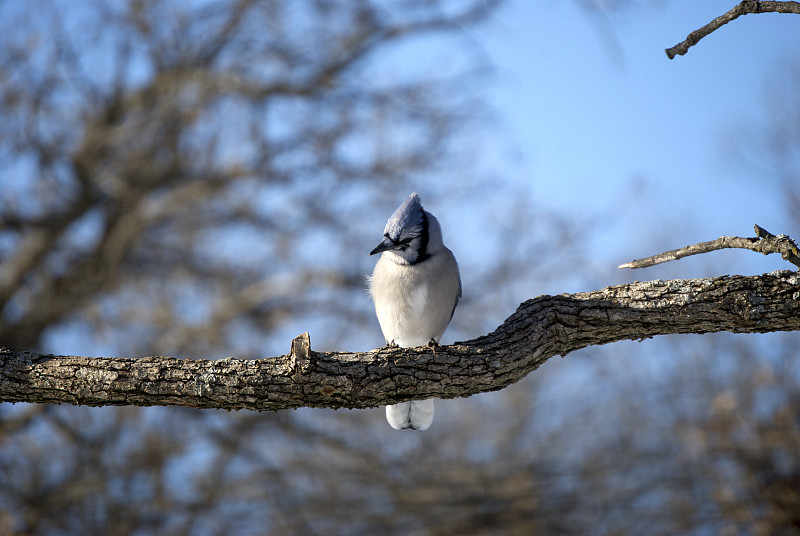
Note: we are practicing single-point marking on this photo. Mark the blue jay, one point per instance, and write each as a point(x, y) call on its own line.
point(416, 287)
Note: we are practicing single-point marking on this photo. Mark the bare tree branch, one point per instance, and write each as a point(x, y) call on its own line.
point(540, 329)
point(748, 6)
point(764, 242)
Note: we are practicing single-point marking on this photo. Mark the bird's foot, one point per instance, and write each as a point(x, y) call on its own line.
point(392, 344)
point(433, 345)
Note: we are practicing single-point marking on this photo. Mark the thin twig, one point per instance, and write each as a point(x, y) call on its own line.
point(748, 6)
point(764, 242)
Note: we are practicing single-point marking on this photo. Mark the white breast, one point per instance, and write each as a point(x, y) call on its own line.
point(414, 302)
point(417, 299)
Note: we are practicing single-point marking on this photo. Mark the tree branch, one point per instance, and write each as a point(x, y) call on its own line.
point(541, 328)
point(748, 6)
point(764, 242)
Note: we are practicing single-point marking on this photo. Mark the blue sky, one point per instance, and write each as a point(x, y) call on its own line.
point(596, 121)
point(602, 120)
point(593, 119)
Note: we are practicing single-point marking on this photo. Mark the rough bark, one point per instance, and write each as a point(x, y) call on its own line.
point(744, 8)
point(541, 328)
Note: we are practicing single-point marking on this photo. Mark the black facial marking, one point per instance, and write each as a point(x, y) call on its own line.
point(423, 246)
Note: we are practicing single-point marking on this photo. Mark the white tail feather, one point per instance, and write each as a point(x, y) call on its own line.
point(416, 415)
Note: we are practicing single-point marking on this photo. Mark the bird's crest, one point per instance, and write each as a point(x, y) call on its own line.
point(407, 216)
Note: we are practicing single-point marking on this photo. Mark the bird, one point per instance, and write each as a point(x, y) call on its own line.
point(415, 287)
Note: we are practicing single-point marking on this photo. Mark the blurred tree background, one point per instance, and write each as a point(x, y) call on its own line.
point(204, 179)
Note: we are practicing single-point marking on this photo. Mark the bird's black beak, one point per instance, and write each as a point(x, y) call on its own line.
point(383, 246)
